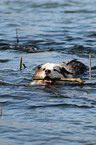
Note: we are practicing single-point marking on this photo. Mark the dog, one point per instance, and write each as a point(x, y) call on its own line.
point(50, 73)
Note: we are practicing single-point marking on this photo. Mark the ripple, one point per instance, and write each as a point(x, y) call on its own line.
point(32, 48)
point(80, 49)
point(61, 105)
point(92, 35)
point(4, 84)
point(46, 5)
point(4, 60)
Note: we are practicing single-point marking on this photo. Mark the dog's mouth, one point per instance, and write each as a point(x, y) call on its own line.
point(48, 80)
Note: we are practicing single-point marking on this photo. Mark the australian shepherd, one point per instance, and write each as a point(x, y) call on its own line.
point(50, 73)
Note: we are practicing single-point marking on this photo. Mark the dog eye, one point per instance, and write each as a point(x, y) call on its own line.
point(43, 68)
point(54, 69)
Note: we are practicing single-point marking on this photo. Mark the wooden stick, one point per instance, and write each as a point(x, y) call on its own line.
point(90, 68)
point(64, 79)
point(17, 35)
point(21, 63)
point(73, 80)
point(1, 111)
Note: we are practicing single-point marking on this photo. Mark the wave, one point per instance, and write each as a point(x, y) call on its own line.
point(80, 49)
point(4, 60)
point(41, 46)
point(65, 105)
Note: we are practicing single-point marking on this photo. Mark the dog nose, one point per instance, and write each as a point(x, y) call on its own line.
point(47, 71)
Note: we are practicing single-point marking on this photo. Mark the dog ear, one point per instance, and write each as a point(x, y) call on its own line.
point(37, 68)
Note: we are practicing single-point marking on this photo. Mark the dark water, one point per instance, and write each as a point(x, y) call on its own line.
point(52, 31)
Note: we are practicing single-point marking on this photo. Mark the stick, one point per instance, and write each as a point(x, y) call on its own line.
point(17, 35)
point(90, 68)
point(64, 79)
point(73, 80)
point(1, 111)
point(21, 63)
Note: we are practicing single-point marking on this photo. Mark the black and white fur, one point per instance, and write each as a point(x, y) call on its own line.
point(52, 72)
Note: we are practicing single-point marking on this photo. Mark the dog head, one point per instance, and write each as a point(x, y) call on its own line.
point(49, 72)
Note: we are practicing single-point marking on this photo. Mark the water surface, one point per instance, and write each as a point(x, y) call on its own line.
point(52, 31)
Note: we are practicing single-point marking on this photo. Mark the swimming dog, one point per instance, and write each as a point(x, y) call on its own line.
point(50, 73)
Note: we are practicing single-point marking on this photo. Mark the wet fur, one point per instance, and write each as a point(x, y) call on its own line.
point(50, 71)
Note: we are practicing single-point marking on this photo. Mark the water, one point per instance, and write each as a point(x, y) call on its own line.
point(52, 31)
